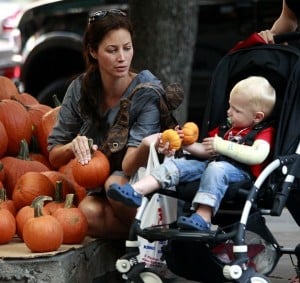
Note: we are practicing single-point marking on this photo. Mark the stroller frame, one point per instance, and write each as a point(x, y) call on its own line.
point(237, 270)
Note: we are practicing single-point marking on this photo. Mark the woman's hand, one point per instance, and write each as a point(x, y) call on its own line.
point(268, 36)
point(81, 149)
point(163, 148)
point(154, 138)
point(159, 145)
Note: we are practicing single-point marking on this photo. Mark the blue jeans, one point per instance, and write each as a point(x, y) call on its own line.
point(215, 178)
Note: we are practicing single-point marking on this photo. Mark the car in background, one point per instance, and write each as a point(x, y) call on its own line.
point(51, 41)
point(10, 43)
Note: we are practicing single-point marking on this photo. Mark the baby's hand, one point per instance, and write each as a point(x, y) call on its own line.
point(208, 144)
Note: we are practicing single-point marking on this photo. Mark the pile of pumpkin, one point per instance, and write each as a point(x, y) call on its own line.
point(37, 202)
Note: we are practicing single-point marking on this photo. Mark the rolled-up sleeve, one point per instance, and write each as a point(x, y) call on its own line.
point(68, 122)
point(145, 116)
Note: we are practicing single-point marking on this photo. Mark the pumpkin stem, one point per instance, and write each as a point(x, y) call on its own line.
point(36, 200)
point(3, 196)
point(58, 196)
point(38, 204)
point(24, 150)
point(69, 200)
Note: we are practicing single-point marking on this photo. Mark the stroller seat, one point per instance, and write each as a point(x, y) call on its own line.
point(242, 248)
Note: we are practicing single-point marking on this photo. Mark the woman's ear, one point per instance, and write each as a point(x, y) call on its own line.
point(92, 53)
point(259, 116)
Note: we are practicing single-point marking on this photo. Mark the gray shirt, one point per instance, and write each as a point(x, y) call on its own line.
point(144, 115)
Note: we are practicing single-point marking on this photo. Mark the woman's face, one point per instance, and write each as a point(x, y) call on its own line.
point(240, 112)
point(115, 53)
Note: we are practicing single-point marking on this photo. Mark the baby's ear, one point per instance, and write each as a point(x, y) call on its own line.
point(259, 116)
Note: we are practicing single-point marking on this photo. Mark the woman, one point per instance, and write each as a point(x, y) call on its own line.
point(89, 108)
point(287, 21)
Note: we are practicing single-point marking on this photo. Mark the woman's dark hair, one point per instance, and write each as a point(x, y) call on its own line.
point(92, 85)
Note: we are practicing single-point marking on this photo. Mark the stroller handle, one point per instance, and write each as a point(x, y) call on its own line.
point(286, 37)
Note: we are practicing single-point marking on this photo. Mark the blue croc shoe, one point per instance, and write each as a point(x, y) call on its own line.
point(125, 194)
point(194, 222)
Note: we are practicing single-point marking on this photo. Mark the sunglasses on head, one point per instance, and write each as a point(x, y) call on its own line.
point(103, 13)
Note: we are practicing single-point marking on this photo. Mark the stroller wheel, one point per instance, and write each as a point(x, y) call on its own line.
point(232, 271)
point(150, 277)
point(259, 279)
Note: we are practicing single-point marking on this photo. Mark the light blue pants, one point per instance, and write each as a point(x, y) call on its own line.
point(215, 178)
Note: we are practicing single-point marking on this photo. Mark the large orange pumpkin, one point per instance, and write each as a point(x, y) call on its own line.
point(7, 88)
point(29, 186)
point(27, 212)
point(7, 203)
point(15, 167)
point(17, 123)
point(80, 191)
point(42, 233)
point(190, 133)
point(25, 98)
point(44, 128)
point(36, 113)
point(93, 174)
point(4, 140)
point(73, 222)
point(172, 137)
point(7, 226)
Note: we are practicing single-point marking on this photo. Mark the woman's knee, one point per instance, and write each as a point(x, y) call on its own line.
point(92, 207)
point(118, 179)
point(102, 221)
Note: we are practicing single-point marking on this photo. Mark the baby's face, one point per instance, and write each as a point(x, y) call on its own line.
point(240, 112)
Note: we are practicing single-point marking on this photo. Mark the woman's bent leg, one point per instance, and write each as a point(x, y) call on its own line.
point(107, 219)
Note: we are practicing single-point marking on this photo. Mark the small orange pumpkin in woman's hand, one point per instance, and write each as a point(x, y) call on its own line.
point(172, 137)
point(190, 133)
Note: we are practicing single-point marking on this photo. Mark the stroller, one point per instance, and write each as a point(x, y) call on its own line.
point(242, 248)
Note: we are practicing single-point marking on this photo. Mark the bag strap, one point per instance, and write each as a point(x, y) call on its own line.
point(120, 127)
point(145, 85)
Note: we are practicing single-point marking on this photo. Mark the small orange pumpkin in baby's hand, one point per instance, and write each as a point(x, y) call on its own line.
point(190, 133)
point(172, 137)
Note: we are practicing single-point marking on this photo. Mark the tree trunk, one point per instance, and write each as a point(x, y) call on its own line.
point(165, 38)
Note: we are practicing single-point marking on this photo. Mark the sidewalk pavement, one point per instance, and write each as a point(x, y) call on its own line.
point(287, 234)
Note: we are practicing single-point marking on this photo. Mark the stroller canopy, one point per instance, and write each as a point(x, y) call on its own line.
point(281, 66)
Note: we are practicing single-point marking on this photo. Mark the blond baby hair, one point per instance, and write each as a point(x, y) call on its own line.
point(260, 93)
